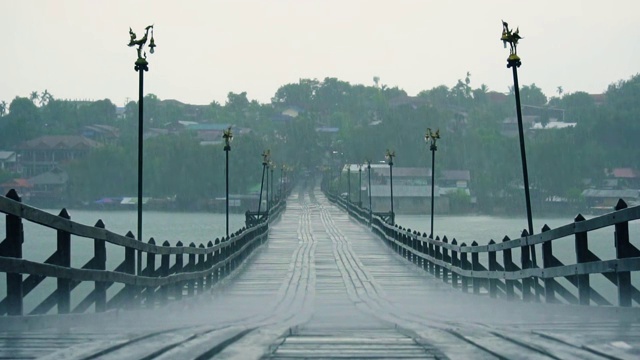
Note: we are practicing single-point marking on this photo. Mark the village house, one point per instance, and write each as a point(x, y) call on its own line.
point(49, 188)
point(47, 152)
point(411, 188)
point(8, 161)
point(619, 183)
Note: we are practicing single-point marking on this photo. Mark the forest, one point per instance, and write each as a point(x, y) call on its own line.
point(367, 120)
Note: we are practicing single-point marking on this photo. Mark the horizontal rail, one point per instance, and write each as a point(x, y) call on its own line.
point(460, 263)
point(204, 265)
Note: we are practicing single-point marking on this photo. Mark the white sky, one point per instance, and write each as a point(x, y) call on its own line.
point(76, 49)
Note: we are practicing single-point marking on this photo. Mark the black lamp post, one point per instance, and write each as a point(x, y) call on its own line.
point(389, 156)
point(369, 188)
point(272, 166)
point(331, 166)
point(348, 186)
point(360, 185)
point(228, 137)
point(267, 188)
point(431, 138)
point(281, 181)
point(265, 161)
point(141, 65)
point(513, 62)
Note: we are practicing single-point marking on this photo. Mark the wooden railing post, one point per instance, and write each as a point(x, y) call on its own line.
point(547, 262)
point(178, 286)
point(582, 256)
point(14, 241)
point(100, 261)
point(425, 251)
point(216, 260)
point(507, 261)
point(191, 267)
point(475, 266)
point(431, 253)
point(446, 259)
point(418, 249)
point(202, 264)
point(464, 265)
point(437, 256)
point(150, 271)
point(226, 254)
point(209, 264)
point(623, 251)
point(455, 264)
point(63, 249)
point(525, 259)
point(130, 268)
point(493, 268)
point(165, 262)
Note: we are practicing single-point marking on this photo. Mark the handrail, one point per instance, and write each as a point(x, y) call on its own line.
point(205, 265)
point(450, 260)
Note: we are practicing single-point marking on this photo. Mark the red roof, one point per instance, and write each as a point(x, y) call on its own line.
point(628, 173)
point(17, 183)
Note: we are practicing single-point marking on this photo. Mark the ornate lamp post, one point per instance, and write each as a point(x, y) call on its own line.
point(331, 165)
point(513, 62)
point(389, 156)
point(265, 161)
point(281, 181)
point(431, 138)
point(348, 187)
point(272, 166)
point(141, 65)
point(228, 138)
point(369, 188)
point(267, 188)
point(360, 185)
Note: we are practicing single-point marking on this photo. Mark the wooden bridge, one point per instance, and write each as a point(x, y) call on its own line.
point(318, 278)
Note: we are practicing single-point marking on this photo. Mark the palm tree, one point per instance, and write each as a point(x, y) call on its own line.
point(45, 97)
point(560, 90)
point(34, 96)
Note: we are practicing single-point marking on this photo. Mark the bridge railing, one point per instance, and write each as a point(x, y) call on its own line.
point(169, 273)
point(491, 269)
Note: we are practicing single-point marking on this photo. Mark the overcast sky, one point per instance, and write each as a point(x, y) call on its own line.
point(77, 49)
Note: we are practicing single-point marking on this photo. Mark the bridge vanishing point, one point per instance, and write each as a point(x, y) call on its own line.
point(324, 286)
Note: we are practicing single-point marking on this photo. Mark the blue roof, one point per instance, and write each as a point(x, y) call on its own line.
point(328, 129)
point(212, 127)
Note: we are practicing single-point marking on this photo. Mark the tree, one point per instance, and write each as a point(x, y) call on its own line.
point(22, 123)
point(34, 96)
point(532, 95)
point(45, 98)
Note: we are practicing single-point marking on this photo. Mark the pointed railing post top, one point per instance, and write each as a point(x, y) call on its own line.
point(621, 205)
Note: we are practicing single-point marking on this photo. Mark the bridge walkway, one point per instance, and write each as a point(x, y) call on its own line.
point(324, 286)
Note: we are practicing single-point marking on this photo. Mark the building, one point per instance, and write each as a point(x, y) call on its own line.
point(104, 134)
point(21, 186)
point(45, 153)
point(49, 188)
point(8, 161)
point(604, 200)
point(411, 188)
